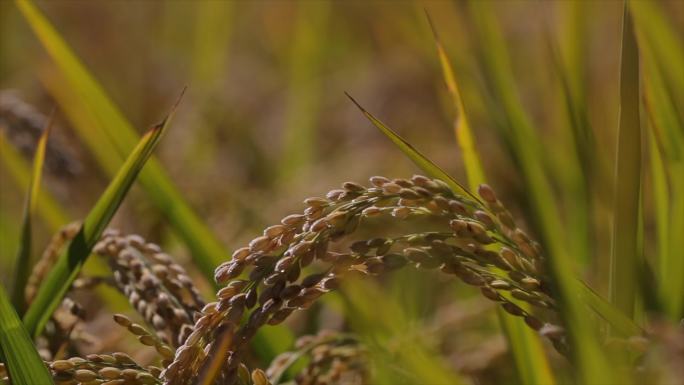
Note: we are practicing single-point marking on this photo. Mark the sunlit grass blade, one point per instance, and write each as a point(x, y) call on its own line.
point(68, 265)
point(23, 262)
point(416, 156)
point(23, 361)
point(625, 254)
point(528, 352)
point(109, 129)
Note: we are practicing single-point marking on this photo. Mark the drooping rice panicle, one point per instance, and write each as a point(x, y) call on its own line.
point(480, 245)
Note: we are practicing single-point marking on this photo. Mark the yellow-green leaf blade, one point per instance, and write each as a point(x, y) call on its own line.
point(416, 156)
point(23, 361)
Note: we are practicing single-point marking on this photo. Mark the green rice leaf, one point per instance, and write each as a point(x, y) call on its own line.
point(69, 263)
point(23, 262)
point(111, 137)
point(416, 156)
point(625, 254)
point(23, 361)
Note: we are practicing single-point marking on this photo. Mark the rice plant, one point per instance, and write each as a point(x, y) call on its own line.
point(547, 253)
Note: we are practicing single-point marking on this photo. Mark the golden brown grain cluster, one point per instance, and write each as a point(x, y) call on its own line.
point(478, 243)
point(158, 288)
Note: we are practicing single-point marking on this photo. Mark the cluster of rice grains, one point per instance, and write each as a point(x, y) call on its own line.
point(158, 288)
point(480, 245)
point(102, 369)
point(333, 359)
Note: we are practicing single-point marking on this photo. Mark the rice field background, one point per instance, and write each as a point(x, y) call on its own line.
point(243, 193)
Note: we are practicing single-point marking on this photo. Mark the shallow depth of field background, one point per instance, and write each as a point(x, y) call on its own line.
point(265, 123)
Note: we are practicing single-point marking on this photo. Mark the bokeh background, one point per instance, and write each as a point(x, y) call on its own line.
point(265, 121)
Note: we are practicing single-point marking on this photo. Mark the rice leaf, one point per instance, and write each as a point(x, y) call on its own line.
point(23, 262)
point(625, 254)
point(69, 263)
point(23, 361)
point(111, 136)
point(531, 361)
point(416, 156)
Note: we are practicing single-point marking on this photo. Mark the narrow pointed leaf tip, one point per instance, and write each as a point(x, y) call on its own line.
point(425, 164)
point(172, 111)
